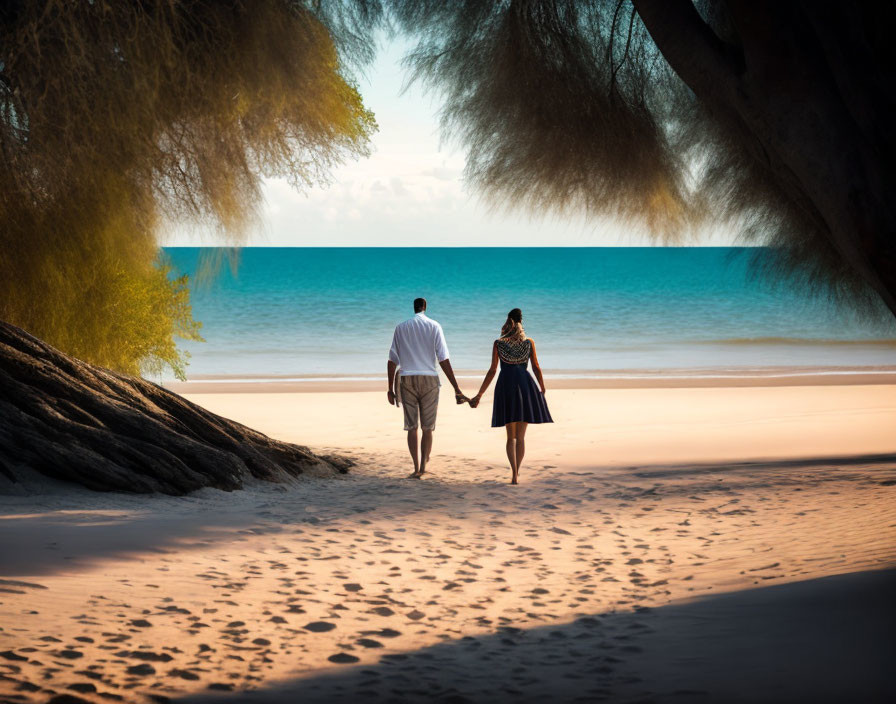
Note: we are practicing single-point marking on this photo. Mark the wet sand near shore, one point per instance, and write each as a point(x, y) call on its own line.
point(581, 379)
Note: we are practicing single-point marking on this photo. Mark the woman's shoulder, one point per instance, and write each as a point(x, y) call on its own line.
point(507, 341)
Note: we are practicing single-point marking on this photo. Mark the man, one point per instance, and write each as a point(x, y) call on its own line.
point(418, 343)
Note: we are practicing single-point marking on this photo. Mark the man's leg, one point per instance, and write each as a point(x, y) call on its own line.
point(412, 447)
point(411, 417)
point(429, 407)
point(425, 449)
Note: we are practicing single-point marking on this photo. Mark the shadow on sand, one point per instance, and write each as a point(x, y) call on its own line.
point(820, 640)
point(81, 528)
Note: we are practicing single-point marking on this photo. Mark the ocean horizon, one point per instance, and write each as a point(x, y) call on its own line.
point(328, 313)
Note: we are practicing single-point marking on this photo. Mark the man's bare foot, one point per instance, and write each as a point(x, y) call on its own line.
point(415, 475)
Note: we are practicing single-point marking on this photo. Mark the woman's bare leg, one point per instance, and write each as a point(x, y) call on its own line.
point(511, 448)
point(520, 444)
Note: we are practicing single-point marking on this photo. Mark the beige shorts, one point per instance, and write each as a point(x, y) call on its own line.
point(420, 399)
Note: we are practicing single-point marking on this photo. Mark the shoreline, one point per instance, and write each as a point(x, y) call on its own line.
point(557, 379)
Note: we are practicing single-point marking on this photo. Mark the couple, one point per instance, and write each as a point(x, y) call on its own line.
point(419, 343)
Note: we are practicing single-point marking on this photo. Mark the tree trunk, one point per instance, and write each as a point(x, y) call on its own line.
point(781, 90)
point(74, 421)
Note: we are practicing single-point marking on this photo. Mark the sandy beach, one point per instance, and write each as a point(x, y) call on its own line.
point(713, 543)
point(668, 243)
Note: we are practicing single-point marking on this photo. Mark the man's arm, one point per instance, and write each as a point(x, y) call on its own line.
point(390, 372)
point(445, 364)
point(391, 366)
point(442, 356)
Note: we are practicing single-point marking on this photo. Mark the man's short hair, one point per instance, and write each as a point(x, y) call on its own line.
point(419, 305)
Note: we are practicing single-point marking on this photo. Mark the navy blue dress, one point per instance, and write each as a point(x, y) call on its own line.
point(517, 395)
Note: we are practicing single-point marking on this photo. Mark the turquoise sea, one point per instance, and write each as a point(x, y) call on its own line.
point(321, 312)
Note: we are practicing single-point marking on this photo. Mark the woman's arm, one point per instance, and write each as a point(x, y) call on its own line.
point(536, 367)
point(489, 375)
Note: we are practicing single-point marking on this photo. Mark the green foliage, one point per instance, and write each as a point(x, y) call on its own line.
point(118, 117)
point(127, 318)
point(141, 317)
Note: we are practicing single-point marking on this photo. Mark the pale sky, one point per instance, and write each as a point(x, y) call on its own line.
point(410, 191)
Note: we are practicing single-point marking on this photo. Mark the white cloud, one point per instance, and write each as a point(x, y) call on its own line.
point(409, 192)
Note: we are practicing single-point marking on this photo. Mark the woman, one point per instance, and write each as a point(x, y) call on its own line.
point(518, 401)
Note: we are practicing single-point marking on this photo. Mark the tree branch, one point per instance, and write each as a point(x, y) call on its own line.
point(699, 57)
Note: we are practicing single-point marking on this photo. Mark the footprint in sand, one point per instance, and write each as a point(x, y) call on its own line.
point(183, 674)
point(9, 585)
point(69, 654)
point(10, 655)
point(343, 658)
point(144, 655)
point(383, 633)
point(319, 626)
point(82, 687)
point(141, 670)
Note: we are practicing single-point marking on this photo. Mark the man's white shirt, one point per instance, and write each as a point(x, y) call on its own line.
point(418, 345)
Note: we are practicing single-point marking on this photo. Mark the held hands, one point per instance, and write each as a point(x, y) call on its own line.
point(461, 399)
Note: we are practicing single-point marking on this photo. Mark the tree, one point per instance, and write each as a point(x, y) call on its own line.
point(77, 422)
point(770, 116)
point(119, 117)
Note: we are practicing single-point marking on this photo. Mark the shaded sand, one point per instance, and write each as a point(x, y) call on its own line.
point(825, 640)
point(665, 545)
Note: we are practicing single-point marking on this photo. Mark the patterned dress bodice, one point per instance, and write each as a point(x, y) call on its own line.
point(514, 352)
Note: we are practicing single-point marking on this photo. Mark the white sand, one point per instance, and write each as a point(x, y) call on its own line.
point(637, 507)
point(597, 427)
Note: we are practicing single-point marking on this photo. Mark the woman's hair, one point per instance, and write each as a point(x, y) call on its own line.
point(513, 327)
